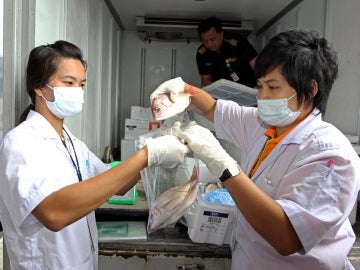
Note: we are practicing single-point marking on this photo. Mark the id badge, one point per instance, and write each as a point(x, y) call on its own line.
point(234, 76)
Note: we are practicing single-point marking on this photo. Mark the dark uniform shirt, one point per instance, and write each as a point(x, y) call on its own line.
point(236, 53)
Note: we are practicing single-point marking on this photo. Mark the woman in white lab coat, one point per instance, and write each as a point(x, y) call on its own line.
point(46, 206)
point(301, 178)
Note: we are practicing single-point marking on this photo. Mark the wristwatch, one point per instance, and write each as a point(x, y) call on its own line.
point(229, 172)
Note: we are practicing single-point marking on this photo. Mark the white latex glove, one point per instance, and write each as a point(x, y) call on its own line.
point(165, 151)
point(207, 148)
point(173, 87)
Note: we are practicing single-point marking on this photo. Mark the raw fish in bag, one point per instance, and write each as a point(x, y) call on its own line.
point(169, 191)
point(171, 205)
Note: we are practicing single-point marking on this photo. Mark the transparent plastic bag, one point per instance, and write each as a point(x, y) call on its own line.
point(169, 191)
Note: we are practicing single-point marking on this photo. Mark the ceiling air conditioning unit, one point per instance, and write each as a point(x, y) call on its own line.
point(165, 29)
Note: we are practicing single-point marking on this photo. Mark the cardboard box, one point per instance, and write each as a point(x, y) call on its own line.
point(209, 222)
point(127, 148)
point(136, 127)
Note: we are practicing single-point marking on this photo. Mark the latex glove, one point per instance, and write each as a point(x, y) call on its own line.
point(207, 148)
point(173, 87)
point(165, 151)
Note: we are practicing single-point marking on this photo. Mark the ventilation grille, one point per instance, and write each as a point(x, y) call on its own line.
point(166, 29)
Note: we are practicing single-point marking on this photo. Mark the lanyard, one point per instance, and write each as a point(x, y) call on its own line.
point(227, 63)
point(261, 156)
point(78, 172)
point(75, 165)
point(232, 74)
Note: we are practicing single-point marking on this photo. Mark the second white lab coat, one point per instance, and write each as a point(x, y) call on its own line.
point(313, 173)
point(33, 164)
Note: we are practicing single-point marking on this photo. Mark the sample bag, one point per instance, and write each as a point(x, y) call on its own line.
point(169, 191)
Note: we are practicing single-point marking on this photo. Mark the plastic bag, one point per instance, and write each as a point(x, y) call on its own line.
point(169, 191)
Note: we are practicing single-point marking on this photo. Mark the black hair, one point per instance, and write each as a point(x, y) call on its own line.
point(304, 58)
point(208, 23)
point(43, 63)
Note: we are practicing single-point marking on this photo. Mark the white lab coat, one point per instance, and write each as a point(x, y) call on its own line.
point(33, 164)
point(316, 196)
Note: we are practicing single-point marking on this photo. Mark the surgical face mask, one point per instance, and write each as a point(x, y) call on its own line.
point(68, 101)
point(275, 112)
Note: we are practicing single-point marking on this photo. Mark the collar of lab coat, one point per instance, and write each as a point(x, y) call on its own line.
point(297, 136)
point(307, 126)
point(43, 127)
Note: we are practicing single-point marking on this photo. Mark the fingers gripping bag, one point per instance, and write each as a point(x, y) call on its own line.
point(169, 191)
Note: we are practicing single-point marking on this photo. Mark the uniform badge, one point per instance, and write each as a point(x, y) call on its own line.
point(202, 50)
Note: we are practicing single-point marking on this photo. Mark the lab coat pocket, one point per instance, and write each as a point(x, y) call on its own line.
point(32, 263)
point(321, 188)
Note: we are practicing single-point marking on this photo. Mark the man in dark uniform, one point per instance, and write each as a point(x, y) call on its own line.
point(224, 55)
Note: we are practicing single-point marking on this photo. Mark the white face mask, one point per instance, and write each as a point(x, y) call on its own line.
point(68, 101)
point(275, 112)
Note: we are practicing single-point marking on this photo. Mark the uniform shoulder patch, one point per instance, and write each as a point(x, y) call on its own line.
point(232, 41)
point(202, 50)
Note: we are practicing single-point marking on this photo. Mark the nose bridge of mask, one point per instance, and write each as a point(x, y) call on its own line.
point(274, 103)
point(70, 94)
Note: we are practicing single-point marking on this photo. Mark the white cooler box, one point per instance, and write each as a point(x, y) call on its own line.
point(209, 222)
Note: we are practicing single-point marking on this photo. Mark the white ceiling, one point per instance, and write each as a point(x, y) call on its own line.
point(259, 11)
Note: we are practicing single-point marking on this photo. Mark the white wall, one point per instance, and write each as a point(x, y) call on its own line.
point(344, 103)
point(334, 20)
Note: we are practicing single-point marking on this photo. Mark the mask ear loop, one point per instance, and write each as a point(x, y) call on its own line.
point(44, 98)
point(292, 96)
point(302, 105)
point(52, 88)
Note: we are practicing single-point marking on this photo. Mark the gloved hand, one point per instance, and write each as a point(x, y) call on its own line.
point(207, 148)
point(165, 151)
point(173, 87)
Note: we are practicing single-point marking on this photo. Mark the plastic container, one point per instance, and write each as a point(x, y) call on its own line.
point(129, 197)
point(209, 222)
